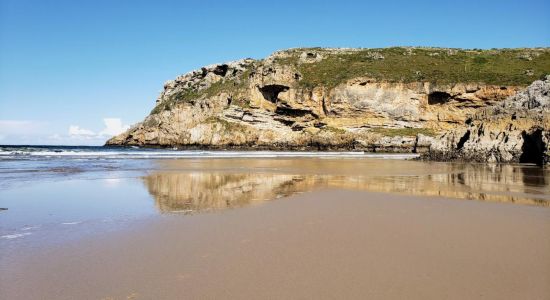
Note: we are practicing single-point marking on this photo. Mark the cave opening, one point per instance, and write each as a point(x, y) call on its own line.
point(463, 140)
point(221, 70)
point(271, 92)
point(292, 112)
point(438, 98)
point(533, 148)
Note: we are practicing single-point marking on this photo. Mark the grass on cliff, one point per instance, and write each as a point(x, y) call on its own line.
point(335, 130)
point(227, 126)
point(391, 132)
point(399, 64)
point(230, 86)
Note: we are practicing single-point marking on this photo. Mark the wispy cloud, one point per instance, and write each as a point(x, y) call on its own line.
point(55, 137)
point(21, 127)
point(37, 132)
point(77, 132)
point(113, 126)
point(23, 131)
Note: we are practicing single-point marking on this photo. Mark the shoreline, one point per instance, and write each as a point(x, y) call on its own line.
point(427, 156)
point(283, 148)
point(424, 155)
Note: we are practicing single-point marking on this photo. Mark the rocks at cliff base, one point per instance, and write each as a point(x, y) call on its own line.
point(516, 130)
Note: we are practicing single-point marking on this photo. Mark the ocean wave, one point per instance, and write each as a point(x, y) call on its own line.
point(132, 153)
point(15, 235)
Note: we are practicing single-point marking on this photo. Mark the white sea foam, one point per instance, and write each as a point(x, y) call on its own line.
point(139, 153)
point(15, 235)
point(29, 228)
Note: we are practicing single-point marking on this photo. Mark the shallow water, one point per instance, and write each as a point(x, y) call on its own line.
point(20, 164)
point(43, 197)
point(58, 202)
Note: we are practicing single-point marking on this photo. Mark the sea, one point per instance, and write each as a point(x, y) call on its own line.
point(8, 152)
point(23, 163)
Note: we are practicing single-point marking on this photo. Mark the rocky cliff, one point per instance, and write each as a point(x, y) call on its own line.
point(392, 99)
point(515, 130)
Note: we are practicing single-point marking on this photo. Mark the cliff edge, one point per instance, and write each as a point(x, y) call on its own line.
point(392, 99)
point(515, 130)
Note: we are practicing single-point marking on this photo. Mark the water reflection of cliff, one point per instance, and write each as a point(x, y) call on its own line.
point(206, 191)
point(200, 188)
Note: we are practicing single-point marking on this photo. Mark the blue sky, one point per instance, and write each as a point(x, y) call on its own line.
point(65, 66)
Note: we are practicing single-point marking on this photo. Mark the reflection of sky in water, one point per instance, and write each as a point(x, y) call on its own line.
point(73, 200)
point(54, 210)
point(16, 173)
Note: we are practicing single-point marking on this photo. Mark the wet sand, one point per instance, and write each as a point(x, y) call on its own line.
point(330, 234)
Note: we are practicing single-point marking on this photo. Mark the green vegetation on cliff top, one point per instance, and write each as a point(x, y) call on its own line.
point(437, 65)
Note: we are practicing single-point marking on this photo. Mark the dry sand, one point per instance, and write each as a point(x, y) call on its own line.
point(325, 244)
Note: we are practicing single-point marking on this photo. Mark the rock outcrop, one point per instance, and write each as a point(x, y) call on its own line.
point(393, 100)
point(515, 130)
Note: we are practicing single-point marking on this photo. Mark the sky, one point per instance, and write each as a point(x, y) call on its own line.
point(77, 72)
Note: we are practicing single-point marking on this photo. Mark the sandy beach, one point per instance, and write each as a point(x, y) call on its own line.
point(282, 229)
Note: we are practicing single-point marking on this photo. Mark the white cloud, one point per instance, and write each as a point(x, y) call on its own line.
point(113, 126)
point(77, 132)
point(38, 132)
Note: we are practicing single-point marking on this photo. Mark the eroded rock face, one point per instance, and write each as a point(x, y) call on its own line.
point(515, 130)
point(261, 104)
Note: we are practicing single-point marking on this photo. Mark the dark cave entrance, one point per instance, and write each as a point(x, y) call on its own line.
point(221, 70)
point(438, 98)
point(463, 140)
point(533, 148)
point(271, 92)
point(291, 112)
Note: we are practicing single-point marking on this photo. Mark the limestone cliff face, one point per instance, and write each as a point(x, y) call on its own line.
point(276, 103)
point(515, 130)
